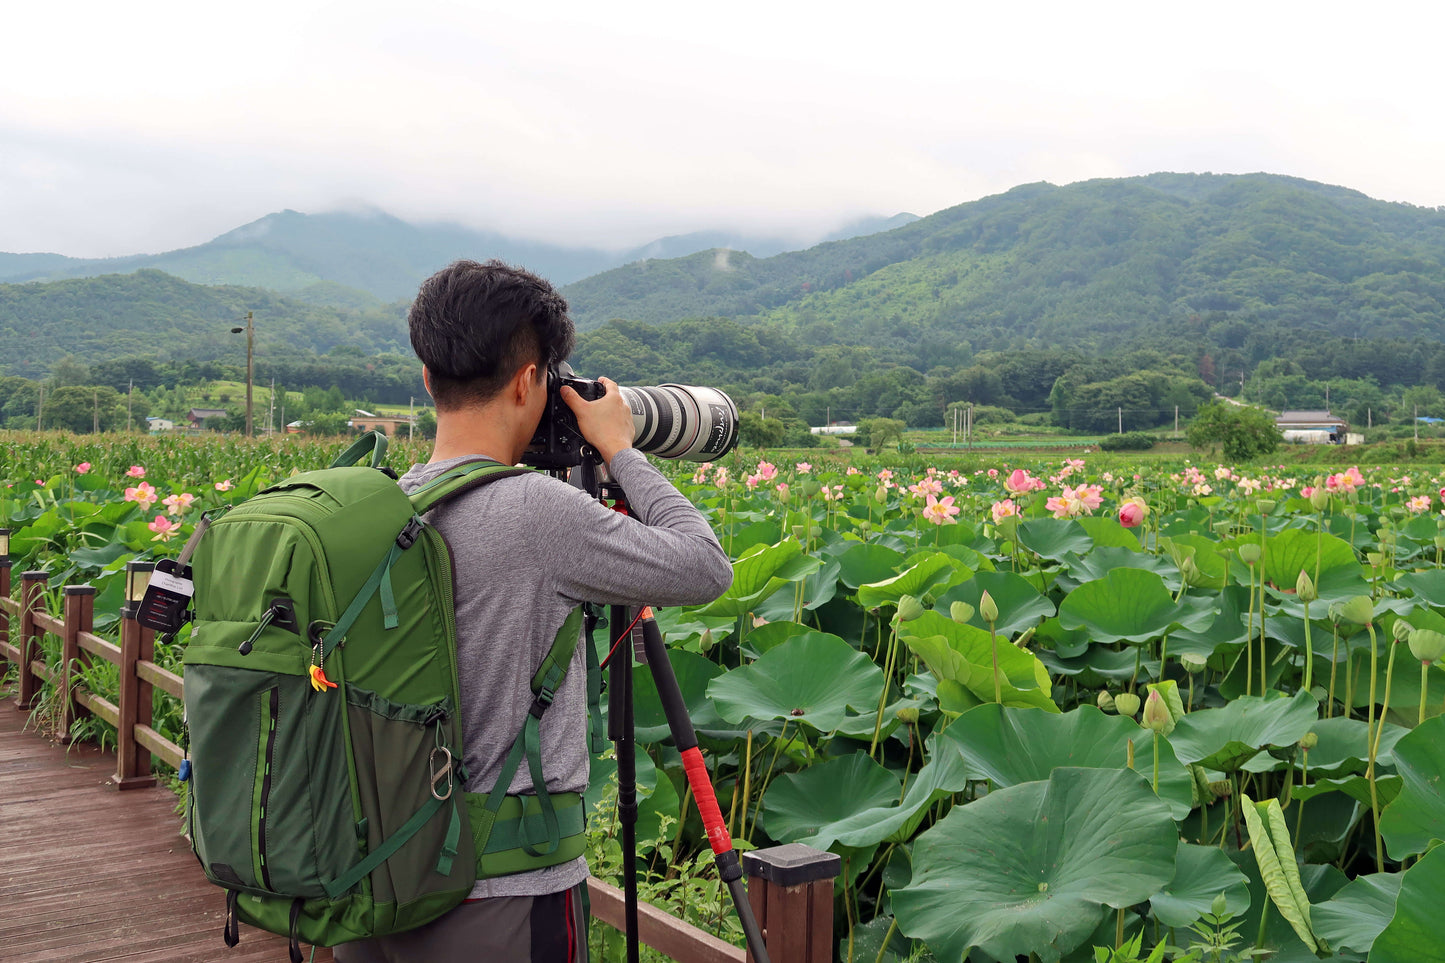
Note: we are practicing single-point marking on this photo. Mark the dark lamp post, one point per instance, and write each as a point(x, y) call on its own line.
point(250, 330)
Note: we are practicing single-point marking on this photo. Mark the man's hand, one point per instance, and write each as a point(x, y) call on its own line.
point(606, 423)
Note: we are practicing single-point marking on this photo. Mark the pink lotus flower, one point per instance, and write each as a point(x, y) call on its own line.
point(1309, 490)
point(225, 486)
point(135, 471)
point(783, 490)
point(1004, 509)
point(82, 468)
point(993, 473)
point(177, 504)
point(803, 468)
point(928, 486)
point(720, 478)
point(766, 471)
point(1346, 481)
point(1021, 482)
point(886, 476)
point(941, 512)
point(164, 529)
point(143, 494)
point(1420, 503)
point(1132, 512)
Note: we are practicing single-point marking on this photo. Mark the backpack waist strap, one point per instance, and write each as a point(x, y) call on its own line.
point(507, 842)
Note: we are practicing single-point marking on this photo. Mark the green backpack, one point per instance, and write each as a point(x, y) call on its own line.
point(325, 745)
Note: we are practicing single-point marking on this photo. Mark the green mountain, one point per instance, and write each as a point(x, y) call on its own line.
point(360, 260)
point(1091, 266)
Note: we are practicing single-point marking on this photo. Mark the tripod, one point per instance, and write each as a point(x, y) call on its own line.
point(653, 653)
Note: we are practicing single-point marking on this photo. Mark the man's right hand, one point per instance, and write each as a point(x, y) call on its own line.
point(606, 423)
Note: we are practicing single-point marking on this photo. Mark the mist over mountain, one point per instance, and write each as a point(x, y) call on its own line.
point(357, 259)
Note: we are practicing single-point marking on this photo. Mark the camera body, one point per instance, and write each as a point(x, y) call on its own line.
point(670, 421)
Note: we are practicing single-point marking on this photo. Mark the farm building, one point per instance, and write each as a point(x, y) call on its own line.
point(1312, 427)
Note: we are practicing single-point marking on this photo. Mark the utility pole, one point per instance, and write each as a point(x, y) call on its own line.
point(1176, 421)
point(411, 414)
point(129, 404)
point(1121, 419)
point(271, 414)
point(1369, 417)
point(968, 425)
point(40, 407)
point(95, 412)
point(1417, 422)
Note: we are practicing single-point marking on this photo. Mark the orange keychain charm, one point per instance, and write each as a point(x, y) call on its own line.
point(319, 682)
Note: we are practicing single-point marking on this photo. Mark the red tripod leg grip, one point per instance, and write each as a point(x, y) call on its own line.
point(712, 821)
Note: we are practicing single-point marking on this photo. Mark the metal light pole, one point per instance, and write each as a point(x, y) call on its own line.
point(250, 330)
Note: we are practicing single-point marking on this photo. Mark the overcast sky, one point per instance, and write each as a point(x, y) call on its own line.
point(130, 128)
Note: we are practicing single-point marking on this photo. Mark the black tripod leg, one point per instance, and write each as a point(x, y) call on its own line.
point(619, 725)
point(685, 739)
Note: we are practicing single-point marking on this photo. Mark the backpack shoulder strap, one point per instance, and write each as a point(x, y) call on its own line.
point(459, 480)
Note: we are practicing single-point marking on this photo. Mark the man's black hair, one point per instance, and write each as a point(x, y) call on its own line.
point(475, 325)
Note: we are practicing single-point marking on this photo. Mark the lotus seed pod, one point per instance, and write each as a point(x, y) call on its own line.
point(1376, 559)
point(1249, 553)
point(706, 642)
point(1439, 541)
point(960, 612)
point(881, 495)
point(1359, 610)
point(811, 487)
point(800, 532)
point(1310, 740)
point(1105, 700)
point(1156, 713)
point(988, 608)
point(1427, 645)
point(865, 526)
point(1192, 663)
point(1266, 505)
point(908, 715)
point(1319, 498)
point(815, 531)
point(909, 608)
point(1126, 704)
point(1221, 788)
point(1304, 587)
point(1400, 631)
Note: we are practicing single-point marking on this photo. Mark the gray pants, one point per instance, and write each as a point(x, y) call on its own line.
point(506, 929)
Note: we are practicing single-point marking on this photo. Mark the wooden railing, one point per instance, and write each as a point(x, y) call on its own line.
point(790, 887)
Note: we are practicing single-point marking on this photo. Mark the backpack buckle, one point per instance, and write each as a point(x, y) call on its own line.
point(441, 771)
point(408, 536)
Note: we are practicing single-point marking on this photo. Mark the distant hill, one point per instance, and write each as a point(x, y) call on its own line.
point(359, 259)
point(1170, 258)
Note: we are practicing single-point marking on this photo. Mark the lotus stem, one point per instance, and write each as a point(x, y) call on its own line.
point(747, 788)
point(1309, 652)
point(1334, 667)
point(1424, 688)
point(1249, 640)
point(1156, 762)
point(1300, 816)
point(997, 681)
point(892, 928)
point(1119, 929)
point(767, 779)
point(1375, 745)
point(887, 683)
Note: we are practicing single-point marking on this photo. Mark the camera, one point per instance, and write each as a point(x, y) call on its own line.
point(669, 421)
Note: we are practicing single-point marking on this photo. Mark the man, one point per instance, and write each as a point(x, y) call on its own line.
point(525, 551)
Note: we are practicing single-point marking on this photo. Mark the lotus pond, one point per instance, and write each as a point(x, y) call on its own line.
point(1072, 710)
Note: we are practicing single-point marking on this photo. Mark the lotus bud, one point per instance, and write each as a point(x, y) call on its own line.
point(1310, 740)
point(1192, 663)
point(881, 495)
point(1266, 505)
point(909, 608)
point(908, 715)
point(960, 612)
point(1249, 553)
point(1126, 704)
point(988, 608)
point(1156, 713)
point(865, 526)
point(1401, 630)
point(1319, 498)
point(1427, 645)
point(706, 642)
point(1188, 570)
point(1304, 587)
point(1105, 701)
point(1219, 906)
point(1359, 610)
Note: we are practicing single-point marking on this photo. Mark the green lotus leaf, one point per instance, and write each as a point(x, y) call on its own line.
point(1200, 874)
point(1228, 737)
point(1342, 748)
point(1417, 816)
point(1352, 918)
point(1034, 868)
point(819, 588)
point(1020, 605)
point(1225, 632)
point(1357, 787)
point(1294, 549)
point(1054, 538)
point(1426, 586)
point(1065, 643)
point(693, 673)
point(1011, 746)
point(863, 563)
point(811, 678)
point(914, 580)
point(797, 804)
point(1416, 931)
point(1106, 532)
point(1101, 561)
point(760, 573)
point(1100, 665)
point(1129, 605)
point(963, 653)
point(1213, 569)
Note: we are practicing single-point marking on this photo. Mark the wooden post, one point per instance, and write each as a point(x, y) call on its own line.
point(132, 761)
point(4, 588)
point(32, 598)
point(791, 891)
point(79, 617)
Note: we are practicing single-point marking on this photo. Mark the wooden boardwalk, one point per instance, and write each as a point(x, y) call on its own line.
point(89, 874)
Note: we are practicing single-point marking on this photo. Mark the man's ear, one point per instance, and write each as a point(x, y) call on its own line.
point(524, 382)
point(426, 382)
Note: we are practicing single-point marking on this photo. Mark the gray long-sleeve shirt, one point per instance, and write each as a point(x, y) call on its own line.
point(525, 551)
